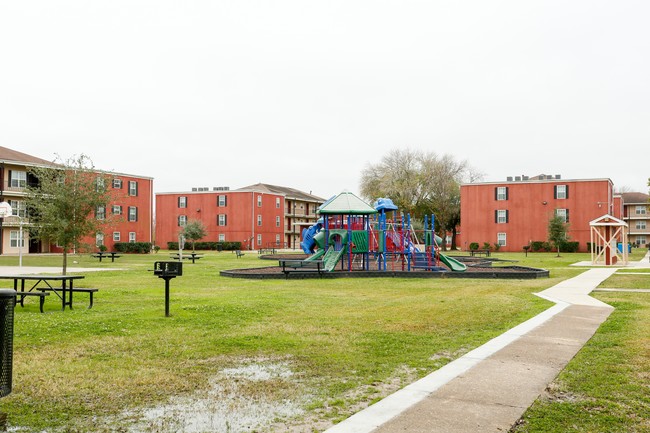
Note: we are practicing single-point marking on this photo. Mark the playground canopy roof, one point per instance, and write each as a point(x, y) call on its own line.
point(607, 220)
point(346, 203)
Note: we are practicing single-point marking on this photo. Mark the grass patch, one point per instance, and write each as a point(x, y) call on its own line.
point(347, 342)
point(606, 387)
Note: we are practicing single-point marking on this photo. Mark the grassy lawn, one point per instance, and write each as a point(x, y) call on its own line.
point(313, 351)
point(606, 387)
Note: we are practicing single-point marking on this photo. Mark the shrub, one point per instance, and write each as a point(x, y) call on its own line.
point(569, 247)
point(209, 246)
point(473, 246)
point(133, 247)
point(487, 246)
point(497, 247)
point(540, 246)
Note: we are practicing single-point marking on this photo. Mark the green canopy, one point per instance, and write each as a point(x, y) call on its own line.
point(346, 203)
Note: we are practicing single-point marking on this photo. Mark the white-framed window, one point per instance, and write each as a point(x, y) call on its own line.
point(501, 216)
point(17, 179)
point(641, 210)
point(222, 237)
point(222, 200)
point(277, 202)
point(100, 184)
point(182, 202)
point(277, 239)
point(640, 225)
point(562, 213)
point(501, 239)
point(133, 213)
point(131, 237)
point(642, 240)
point(117, 236)
point(259, 201)
point(182, 220)
point(501, 193)
point(117, 183)
point(14, 239)
point(100, 213)
point(133, 188)
point(561, 192)
point(277, 221)
point(117, 209)
point(99, 239)
point(259, 239)
point(222, 220)
point(18, 208)
point(259, 220)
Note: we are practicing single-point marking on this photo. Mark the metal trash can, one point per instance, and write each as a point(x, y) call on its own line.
point(7, 305)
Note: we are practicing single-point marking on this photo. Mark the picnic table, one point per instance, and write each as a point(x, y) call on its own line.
point(112, 254)
point(61, 285)
point(187, 256)
point(485, 253)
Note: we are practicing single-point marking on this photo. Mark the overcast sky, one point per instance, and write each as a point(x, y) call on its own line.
point(306, 93)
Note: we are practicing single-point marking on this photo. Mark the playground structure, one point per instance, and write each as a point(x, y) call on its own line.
point(352, 235)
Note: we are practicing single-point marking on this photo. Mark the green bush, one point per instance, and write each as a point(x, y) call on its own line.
point(208, 246)
point(133, 247)
point(473, 246)
point(569, 247)
point(487, 246)
point(540, 246)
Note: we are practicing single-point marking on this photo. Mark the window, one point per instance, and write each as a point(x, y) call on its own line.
point(116, 236)
point(117, 183)
point(222, 237)
point(17, 208)
point(117, 209)
point(182, 202)
point(641, 210)
point(15, 239)
point(259, 220)
point(222, 201)
point(501, 216)
point(182, 220)
point(259, 239)
point(277, 221)
point(100, 212)
point(501, 239)
point(133, 188)
point(17, 179)
point(562, 213)
point(642, 240)
point(501, 193)
point(99, 239)
point(101, 184)
point(277, 202)
point(133, 213)
point(561, 192)
point(222, 220)
point(131, 237)
point(259, 201)
point(640, 225)
point(277, 239)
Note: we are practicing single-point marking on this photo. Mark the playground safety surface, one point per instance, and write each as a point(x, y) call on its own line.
point(476, 268)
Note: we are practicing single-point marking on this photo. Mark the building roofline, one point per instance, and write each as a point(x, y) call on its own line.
point(529, 181)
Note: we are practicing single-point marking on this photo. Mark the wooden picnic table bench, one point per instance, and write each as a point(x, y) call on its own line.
point(187, 256)
point(90, 291)
point(293, 265)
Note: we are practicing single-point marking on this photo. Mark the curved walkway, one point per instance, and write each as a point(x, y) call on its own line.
point(489, 388)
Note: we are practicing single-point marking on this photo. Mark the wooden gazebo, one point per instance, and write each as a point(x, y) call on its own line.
point(607, 232)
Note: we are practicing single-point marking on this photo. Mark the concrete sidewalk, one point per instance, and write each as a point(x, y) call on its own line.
point(488, 389)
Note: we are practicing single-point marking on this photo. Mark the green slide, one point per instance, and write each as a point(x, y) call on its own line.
point(315, 256)
point(332, 257)
point(453, 264)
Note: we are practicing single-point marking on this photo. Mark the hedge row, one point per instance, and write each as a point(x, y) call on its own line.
point(133, 247)
point(565, 247)
point(211, 246)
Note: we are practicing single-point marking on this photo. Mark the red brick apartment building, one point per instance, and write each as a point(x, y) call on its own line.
point(258, 216)
point(515, 212)
point(132, 208)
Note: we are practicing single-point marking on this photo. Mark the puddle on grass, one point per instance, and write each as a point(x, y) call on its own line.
point(231, 405)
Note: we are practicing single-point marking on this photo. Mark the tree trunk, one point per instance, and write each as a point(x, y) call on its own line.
point(65, 261)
